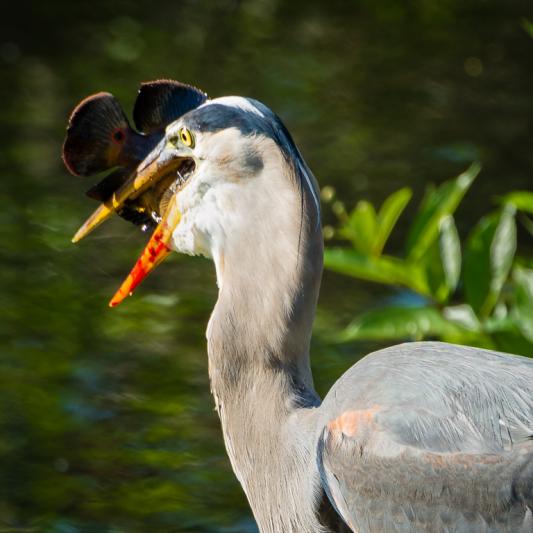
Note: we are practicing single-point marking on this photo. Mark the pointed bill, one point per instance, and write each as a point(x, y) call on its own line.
point(154, 253)
point(153, 168)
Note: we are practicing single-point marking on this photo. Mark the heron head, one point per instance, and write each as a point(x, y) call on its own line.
point(226, 173)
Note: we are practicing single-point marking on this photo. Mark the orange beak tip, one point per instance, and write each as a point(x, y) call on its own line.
point(116, 300)
point(155, 251)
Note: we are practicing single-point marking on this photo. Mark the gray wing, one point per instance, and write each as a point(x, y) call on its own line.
point(431, 437)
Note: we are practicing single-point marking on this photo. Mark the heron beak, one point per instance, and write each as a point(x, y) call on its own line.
point(156, 250)
point(160, 162)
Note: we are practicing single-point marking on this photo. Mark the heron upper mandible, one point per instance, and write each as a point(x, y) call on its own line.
point(423, 436)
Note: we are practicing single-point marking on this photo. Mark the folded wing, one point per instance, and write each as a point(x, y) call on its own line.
point(431, 437)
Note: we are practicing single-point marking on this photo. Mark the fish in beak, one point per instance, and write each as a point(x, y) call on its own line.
point(163, 163)
point(157, 165)
point(147, 170)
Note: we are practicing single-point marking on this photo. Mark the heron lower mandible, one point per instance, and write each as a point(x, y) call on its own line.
point(422, 436)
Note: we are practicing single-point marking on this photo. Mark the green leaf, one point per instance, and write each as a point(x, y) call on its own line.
point(488, 259)
point(442, 262)
point(523, 309)
point(384, 269)
point(388, 215)
point(503, 248)
point(361, 226)
point(523, 278)
point(436, 205)
point(431, 263)
point(402, 323)
point(477, 261)
point(450, 252)
point(462, 315)
point(527, 223)
point(512, 341)
point(522, 200)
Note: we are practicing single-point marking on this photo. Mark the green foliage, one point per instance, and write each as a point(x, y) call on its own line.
point(437, 204)
point(367, 230)
point(485, 299)
point(523, 308)
point(383, 269)
point(522, 200)
point(400, 322)
point(489, 256)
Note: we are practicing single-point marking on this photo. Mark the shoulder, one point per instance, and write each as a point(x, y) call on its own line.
point(441, 396)
point(430, 365)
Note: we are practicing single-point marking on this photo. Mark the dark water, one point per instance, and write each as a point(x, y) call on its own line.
point(106, 422)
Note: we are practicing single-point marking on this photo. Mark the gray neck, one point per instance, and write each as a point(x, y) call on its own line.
point(258, 340)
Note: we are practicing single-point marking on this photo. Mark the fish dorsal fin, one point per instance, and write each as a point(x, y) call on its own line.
point(99, 137)
point(161, 102)
point(96, 134)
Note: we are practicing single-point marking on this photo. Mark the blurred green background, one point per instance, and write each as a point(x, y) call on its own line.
point(106, 421)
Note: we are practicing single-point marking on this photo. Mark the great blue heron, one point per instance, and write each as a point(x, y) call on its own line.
point(422, 436)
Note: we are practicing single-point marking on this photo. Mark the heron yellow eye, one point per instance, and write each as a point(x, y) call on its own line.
point(186, 137)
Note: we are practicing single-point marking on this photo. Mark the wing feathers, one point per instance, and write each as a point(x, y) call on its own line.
point(373, 491)
point(431, 437)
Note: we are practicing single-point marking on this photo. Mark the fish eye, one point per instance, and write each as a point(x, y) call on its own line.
point(186, 137)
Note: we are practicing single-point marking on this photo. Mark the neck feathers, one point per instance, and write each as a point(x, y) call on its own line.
point(258, 337)
point(269, 273)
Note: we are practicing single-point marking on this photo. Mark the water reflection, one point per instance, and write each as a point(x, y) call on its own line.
point(106, 421)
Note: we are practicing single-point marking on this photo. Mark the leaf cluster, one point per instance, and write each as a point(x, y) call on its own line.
point(478, 292)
